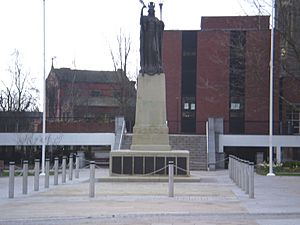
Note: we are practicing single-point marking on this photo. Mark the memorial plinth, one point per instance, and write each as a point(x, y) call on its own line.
point(151, 131)
point(150, 151)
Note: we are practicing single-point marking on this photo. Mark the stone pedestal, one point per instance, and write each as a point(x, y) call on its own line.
point(151, 131)
point(150, 151)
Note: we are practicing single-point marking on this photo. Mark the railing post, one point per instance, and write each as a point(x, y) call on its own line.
point(71, 167)
point(47, 168)
point(11, 182)
point(236, 171)
point(36, 174)
point(64, 163)
point(230, 167)
point(77, 167)
point(243, 174)
point(56, 171)
point(251, 180)
point(233, 169)
point(247, 177)
point(171, 179)
point(25, 177)
point(92, 179)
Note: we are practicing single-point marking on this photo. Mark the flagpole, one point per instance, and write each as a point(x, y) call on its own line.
point(271, 94)
point(44, 92)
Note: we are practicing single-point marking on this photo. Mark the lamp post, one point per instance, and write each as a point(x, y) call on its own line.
point(271, 94)
point(44, 91)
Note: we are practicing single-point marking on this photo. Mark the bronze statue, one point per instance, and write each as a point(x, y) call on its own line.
point(151, 35)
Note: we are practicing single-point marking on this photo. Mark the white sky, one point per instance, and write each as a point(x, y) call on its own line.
point(83, 30)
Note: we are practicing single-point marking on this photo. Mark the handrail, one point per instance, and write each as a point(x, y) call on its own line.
point(121, 136)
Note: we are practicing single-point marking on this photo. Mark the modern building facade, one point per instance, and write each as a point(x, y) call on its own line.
point(288, 29)
point(220, 71)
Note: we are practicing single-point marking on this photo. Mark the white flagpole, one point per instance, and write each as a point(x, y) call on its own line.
point(44, 92)
point(271, 94)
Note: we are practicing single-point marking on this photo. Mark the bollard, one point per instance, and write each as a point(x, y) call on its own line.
point(246, 176)
point(238, 173)
point(92, 179)
point(247, 179)
point(11, 182)
point(47, 168)
point(77, 167)
point(241, 173)
point(64, 163)
point(243, 163)
point(230, 167)
point(25, 177)
point(235, 170)
point(36, 174)
point(171, 179)
point(56, 171)
point(251, 180)
point(71, 167)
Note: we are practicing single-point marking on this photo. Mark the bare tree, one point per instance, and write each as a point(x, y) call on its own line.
point(124, 90)
point(18, 94)
point(72, 98)
point(120, 56)
point(287, 43)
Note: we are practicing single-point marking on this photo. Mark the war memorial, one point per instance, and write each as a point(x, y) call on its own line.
point(150, 151)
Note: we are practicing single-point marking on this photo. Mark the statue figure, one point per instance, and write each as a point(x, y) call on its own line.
point(151, 34)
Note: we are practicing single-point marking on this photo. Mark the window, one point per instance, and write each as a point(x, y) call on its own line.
point(293, 118)
point(95, 93)
point(237, 75)
point(193, 106)
point(186, 106)
point(188, 81)
point(235, 106)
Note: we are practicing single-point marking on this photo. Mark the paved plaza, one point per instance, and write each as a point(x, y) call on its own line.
point(207, 198)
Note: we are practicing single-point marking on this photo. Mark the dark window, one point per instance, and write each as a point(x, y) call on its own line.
point(237, 81)
point(189, 63)
point(293, 119)
point(95, 93)
point(188, 85)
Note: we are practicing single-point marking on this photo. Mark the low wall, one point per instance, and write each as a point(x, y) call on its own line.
point(195, 144)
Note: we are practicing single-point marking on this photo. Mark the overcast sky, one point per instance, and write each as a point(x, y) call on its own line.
point(79, 33)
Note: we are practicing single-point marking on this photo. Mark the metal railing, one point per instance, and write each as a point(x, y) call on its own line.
point(241, 173)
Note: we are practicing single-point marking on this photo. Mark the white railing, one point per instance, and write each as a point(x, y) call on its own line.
point(242, 173)
point(121, 135)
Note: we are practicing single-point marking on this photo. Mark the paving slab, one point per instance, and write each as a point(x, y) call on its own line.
point(212, 199)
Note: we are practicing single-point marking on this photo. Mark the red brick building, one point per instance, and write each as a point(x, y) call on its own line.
point(220, 71)
point(288, 25)
point(88, 101)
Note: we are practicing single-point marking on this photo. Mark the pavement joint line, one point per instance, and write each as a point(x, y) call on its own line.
point(212, 216)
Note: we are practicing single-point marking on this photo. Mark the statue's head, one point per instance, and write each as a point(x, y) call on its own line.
point(151, 10)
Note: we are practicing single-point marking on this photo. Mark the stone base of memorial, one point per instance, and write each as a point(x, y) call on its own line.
point(151, 163)
point(150, 151)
